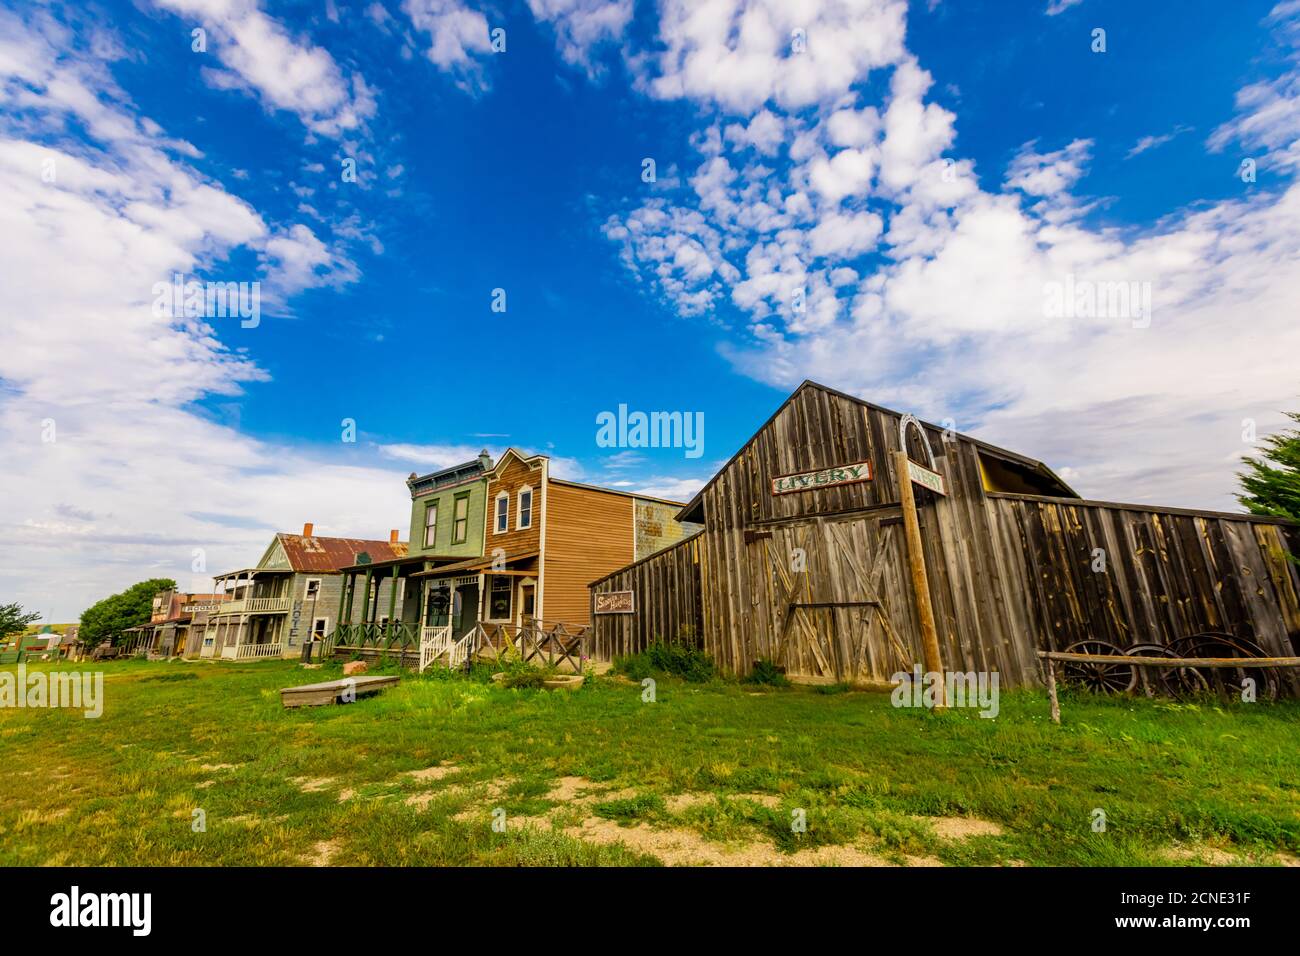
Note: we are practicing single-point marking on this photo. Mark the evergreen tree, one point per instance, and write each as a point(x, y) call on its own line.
point(1272, 482)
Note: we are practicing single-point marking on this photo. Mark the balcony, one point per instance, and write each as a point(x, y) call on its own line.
point(256, 605)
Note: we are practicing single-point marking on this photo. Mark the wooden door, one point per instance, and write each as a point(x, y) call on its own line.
point(838, 614)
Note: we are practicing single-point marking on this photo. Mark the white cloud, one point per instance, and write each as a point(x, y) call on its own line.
point(135, 479)
point(740, 55)
point(951, 318)
point(581, 26)
point(458, 37)
point(261, 57)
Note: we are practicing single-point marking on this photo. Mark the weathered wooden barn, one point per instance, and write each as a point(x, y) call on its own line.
point(802, 559)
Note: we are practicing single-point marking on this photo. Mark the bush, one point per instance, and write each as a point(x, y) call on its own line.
point(766, 672)
point(677, 658)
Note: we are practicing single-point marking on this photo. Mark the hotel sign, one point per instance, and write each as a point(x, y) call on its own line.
point(926, 478)
point(825, 478)
point(615, 602)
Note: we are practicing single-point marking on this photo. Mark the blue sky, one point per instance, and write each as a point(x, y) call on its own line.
point(915, 175)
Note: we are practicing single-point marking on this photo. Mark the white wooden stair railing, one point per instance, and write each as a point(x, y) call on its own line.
point(434, 642)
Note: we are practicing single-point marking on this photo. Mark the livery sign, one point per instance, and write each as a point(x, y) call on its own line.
point(825, 478)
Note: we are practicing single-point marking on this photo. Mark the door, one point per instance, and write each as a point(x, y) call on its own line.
point(838, 609)
point(464, 610)
point(527, 600)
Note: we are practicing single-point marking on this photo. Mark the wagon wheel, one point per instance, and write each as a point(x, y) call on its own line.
point(1179, 682)
point(1100, 678)
point(1228, 681)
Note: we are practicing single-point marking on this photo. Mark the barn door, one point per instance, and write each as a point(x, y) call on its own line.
point(833, 615)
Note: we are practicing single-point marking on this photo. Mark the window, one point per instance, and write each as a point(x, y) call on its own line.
point(431, 524)
point(313, 589)
point(318, 628)
point(499, 593)
point(503, 513)
point(460, 520)
point(525, 516)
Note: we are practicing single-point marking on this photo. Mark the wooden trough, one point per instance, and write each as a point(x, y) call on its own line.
point(336, 691)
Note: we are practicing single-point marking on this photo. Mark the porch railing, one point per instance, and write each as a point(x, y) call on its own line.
point(252, 652)
point(538, 641)
point(403, 636)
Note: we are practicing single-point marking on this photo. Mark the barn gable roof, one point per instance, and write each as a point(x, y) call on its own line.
point(694, 509)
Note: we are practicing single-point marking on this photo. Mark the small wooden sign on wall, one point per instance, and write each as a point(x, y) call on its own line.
point(926, 478)
point(615, 602)
point(822, 478)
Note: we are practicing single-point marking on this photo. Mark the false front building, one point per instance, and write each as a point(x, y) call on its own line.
point(506, 546)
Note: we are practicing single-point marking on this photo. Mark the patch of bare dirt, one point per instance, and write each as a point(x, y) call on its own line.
point(686, 848)
point(961, 828)
point(312, 784)
point(1208, 855)
point(216, 766)
point(322, 854)
point(433, 773)
point(346, 794)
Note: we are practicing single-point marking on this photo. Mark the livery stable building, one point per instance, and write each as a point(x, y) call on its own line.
point(811, 554)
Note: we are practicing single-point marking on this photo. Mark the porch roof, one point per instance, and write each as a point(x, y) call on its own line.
point(473, 564)
point(397, 562)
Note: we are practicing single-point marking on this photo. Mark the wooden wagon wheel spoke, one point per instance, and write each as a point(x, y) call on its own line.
point(1099, 677)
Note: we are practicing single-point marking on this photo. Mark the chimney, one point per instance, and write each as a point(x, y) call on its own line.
point(392, 536)
point(307, 529)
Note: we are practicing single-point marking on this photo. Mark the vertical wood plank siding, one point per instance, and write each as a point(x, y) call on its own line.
point(1009, 573)
point(668, 583)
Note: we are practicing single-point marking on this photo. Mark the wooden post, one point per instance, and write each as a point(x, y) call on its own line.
point(343, 602)
point(1051, 691)
point(392, 608)
point(920, 580)
point(350, 587)
point(367, 611)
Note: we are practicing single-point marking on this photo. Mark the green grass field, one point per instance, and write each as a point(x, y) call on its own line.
point(709, 773)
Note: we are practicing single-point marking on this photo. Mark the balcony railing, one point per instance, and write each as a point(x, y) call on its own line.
point(252, 652)
point(257, 605)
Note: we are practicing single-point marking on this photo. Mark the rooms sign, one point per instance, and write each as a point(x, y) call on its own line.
point(824, 478)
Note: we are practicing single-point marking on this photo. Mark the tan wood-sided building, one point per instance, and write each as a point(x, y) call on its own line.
point(544, 539)
point(802, 559)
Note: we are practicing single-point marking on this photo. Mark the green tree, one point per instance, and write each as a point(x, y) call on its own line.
point(14, 620)
point(1272, 482)
point(110, 617)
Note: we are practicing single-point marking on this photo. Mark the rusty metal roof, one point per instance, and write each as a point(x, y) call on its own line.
point(333, 554)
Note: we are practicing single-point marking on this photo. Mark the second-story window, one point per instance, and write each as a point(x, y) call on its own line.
point(431, 524)
point(525, 508)
point(313, 589)
point(460, 520)
point(502, 513)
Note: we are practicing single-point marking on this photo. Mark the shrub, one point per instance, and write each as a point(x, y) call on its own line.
point(680, 658)
point(766, 672)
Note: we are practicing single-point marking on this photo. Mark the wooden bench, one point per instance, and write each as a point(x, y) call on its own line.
point(334, 691)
